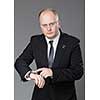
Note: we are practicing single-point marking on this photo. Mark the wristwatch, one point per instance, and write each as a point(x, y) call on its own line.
point(28, 75)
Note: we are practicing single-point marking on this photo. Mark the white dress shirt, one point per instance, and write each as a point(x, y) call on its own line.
point(55, 43)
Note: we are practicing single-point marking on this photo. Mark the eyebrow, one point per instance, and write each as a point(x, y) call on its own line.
point(49, 23)
point(52, 23)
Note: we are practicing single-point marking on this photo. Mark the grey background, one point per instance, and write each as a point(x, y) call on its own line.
point(26, 24)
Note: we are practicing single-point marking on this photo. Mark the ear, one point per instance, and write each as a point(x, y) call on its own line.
point(59, 24)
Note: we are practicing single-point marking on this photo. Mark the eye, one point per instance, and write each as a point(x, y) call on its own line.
point(44, 25)
point(52, 24)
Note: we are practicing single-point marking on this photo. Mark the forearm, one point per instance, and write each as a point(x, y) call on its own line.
point(23, 61)
point(22, 68)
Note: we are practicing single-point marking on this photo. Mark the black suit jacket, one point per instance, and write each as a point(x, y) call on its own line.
point(67, 67)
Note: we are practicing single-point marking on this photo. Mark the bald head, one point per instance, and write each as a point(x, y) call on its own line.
point(48, 10)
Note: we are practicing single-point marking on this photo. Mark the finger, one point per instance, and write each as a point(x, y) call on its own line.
point(40, 80)
point(36, 80)
point(38, 70)
point(45, 76)
point(42, 73)
point(42, 83)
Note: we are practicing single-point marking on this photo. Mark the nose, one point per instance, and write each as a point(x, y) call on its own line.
point(48, 28)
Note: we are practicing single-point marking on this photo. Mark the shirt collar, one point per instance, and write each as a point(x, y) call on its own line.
point(54, 39)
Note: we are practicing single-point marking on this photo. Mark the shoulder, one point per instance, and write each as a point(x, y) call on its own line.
point(37, 38)
point(70, 39)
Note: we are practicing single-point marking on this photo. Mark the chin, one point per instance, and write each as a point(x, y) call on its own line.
point(50, 36)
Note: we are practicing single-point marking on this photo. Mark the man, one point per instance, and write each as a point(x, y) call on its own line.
point(58, 59)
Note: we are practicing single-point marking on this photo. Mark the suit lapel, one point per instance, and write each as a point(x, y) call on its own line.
point(59, 51)
point(43, 52)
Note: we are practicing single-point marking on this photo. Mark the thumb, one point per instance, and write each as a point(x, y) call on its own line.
point(38, 70)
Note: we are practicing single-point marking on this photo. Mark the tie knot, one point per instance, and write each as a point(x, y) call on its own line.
point(51, 42)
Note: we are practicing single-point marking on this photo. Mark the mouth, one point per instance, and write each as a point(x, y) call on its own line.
point(50, 33)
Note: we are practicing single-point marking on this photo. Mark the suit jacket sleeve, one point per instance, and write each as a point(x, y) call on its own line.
point(74, 70)
point(23, 61)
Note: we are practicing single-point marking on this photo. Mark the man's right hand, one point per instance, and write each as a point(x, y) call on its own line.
point(38, 79)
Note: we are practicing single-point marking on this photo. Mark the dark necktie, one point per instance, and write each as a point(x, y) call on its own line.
point(51, 53)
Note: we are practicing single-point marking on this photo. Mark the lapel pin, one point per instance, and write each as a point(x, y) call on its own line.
point(63, 46)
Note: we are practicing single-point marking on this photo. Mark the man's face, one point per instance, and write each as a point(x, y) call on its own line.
point(49, 24)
